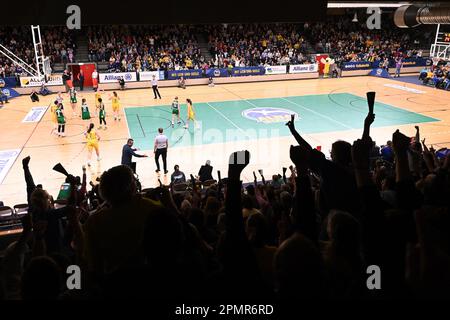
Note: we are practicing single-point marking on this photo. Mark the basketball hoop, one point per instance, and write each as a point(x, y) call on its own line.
point(436, 60)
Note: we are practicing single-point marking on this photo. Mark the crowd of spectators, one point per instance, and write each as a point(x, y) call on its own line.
point(58, 43)
point(310, 232)
point(243, 45)
point(144, 48)
point(346, 40)
point(175, 47)
point(437, 75)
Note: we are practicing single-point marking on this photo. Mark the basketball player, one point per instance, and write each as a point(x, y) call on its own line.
point(115, 105)
point(61, 121)
point(85, 114)
point(190, 114)
point(98, 95)
point(73, 100)
point(53, 109)
point(92, 139)
point(175, 111)
point(102, 113)
point(59, 98)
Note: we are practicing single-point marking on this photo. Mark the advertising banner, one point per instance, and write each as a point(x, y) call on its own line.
point(114, 77)
point(52, 80)
point(217, 72)
point(303, 68)
point(357, 65)
point(187, 74)
point(379, 72)
point(148, 75)
point(35, 114)
point(276, 70)
point(7, 158)
point(248, 71)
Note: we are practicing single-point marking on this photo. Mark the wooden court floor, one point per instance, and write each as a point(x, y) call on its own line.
point(271, 154)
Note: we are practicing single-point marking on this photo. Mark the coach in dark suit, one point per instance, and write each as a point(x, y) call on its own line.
point(128, 152)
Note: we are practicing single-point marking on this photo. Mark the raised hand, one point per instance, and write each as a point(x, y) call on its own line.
point(291, 123)
point(300, 156)
point(361, 154)
point(237, 162)
point(400, 142)
point(370, 118)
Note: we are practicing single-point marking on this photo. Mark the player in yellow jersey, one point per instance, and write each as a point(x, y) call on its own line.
point(53, 108)
point(190, 114)
point(98, 95)
point(92, 139)
point(115, 105)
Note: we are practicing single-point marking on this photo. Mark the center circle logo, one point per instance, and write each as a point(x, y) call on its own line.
point(269, 115)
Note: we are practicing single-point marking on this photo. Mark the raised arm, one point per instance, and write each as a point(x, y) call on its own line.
point(303, 210)
point(302, 142)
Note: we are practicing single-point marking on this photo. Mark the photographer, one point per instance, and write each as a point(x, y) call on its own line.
point(122, 83)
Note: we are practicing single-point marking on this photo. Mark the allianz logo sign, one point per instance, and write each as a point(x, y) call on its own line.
point(127, 76)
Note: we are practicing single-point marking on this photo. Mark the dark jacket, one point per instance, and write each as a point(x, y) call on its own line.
point(127, 155)
point(205, 173)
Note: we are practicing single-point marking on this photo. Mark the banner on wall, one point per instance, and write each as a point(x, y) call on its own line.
point(187, 74)
point(114, 77)
point(217, 72)
point(52, 80)
point(248, 71)
point(357, 65)
point(10, 82)
point(303, 68)
point(276, 69)
point(148, 75)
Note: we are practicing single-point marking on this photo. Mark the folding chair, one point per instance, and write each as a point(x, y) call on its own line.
point(6, 213)
point(208, 183)
point(60, 204)
point(21, 209)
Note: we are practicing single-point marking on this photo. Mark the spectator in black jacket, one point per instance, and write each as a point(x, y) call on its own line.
point(205, 172)
point(177, 175)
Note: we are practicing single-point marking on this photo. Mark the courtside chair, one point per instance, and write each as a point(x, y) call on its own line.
point(60, 204)
point(208, 183)
point(179, 187)
point(6, 213)
point(21, 209)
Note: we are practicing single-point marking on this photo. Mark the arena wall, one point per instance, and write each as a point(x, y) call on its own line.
point(224, 80)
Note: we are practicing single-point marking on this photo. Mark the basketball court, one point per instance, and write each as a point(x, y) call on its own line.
point(229, 117)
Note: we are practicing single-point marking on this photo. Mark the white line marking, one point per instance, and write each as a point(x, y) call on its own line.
point(319, 114)
point(226, 118)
